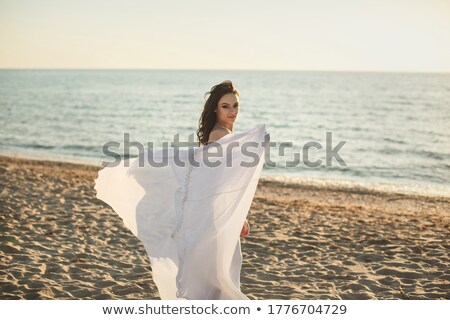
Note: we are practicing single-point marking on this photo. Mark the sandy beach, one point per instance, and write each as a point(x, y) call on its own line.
point(57, 241)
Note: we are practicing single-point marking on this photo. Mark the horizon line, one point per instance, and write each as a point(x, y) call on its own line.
point(200, 69)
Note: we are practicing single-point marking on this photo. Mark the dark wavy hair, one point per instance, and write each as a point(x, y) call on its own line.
point(208, 118)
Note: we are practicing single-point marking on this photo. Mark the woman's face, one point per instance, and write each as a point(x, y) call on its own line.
point(228, 109)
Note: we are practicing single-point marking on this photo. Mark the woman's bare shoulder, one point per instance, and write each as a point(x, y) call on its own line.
point(217, 133)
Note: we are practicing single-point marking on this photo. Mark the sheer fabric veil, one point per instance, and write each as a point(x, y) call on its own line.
point(189, 212)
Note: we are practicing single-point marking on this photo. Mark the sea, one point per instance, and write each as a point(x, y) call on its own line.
point(373, 130)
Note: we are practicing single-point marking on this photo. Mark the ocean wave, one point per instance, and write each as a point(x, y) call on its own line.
point(359, 186)
point(36, 146)
point(80, 147)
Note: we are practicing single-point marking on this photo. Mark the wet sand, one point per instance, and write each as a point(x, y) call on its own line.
point(57, 241)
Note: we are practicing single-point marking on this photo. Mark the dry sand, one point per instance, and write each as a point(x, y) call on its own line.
point(57, 241)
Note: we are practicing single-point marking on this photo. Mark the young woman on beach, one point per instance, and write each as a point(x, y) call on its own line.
point(217, 120)
point(190, 217)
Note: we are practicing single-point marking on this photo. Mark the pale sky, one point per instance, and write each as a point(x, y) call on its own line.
point(322, 35)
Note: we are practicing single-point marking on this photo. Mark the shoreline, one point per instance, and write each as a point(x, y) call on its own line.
point(306, 242)
point(294, 180)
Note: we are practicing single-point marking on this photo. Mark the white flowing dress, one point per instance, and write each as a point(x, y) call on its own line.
point(189, 214)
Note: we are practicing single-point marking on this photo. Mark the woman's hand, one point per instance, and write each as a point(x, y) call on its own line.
point(245, 229)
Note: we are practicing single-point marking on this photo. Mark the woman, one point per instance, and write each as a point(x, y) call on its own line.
point(187, 213)
point(217, 119)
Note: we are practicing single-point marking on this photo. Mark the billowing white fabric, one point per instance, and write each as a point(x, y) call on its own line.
point(189, 217)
